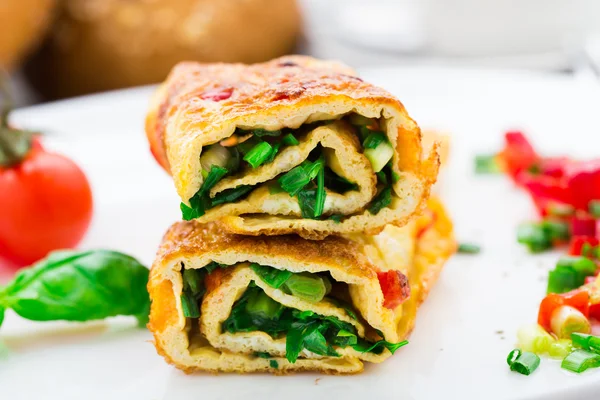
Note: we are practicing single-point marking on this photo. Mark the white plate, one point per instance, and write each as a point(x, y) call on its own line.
point(465, 329)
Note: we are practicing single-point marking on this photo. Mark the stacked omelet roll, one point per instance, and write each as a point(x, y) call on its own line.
point(309, 237)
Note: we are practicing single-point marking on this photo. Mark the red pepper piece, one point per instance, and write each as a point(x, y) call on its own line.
point(518, 154)
point(395, 288)
point(594, 311)
point(554, 166)
point(583, 180)
point(583, 225)
point(577, 243)
point(577, 298)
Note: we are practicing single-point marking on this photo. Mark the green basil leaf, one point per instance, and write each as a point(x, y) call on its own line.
point(80, 286)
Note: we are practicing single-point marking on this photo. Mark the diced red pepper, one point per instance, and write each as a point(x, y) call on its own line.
point(577, 298)
point(395, 288)
point(583, 181)
point(577, 243)
point(594, 311)
point(518, 154)
point(554, 166)
point(583, 225)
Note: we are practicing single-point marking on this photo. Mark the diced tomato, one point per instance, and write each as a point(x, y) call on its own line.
point(577, 298)
point(577, 243)
point(395, 288)
point(518, 154)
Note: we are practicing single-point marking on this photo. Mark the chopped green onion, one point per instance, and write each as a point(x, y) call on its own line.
point(383, 199)
point(534, 338)
point(560, 209)
point(272, 276)
point(262, 354)
point(294, 180)
point(556, 230)
point(586, 342)
point(260, 304)
point(580, 360)
point(469, 248)
point(248, 145)
point(345, 338)
point(321, 194)
point(382, 178)
point(570, 273)
point(258, 154)
point(513, 356)
point(189, 306)
point(229, 195)
point(395, 177)
point(533, 236)
point(214, 176)
point(273, 364)
point(194, 280)
point(523, 362)
point(594, 207)
point(290, 140)
point(487, 164)
point(307, 200)
point(312, 169)
point(379, 156)
point(214, 155)
point(374, 139)
point(566, 319)
point(263, 132)
point(560, 348)
point(307, 287)
point(204, 174)
point(273, 153)
point(200, 201)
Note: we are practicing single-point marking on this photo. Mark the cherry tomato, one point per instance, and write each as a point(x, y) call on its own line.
point(395, 288)
point(577, 298)
point(45, 204)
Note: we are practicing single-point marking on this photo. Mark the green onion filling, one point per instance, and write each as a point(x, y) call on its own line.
point(308, 182)
point(304, 330)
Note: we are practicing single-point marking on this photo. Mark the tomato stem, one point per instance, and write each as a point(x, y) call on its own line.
point(15, 144)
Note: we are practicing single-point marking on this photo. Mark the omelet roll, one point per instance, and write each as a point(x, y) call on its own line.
point(293, 145)
point(223, 302)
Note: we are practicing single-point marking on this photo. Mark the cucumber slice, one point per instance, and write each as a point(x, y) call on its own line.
point(379, 156)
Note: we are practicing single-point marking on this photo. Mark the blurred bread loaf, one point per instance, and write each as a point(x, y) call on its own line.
point(99, 45)
point(22, 25)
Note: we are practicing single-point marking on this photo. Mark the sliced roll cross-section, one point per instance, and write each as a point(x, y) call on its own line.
point(224, 302)
point(294, 145)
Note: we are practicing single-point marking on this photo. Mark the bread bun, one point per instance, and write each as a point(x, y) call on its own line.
point(99, 45)
point(22, 22)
